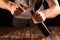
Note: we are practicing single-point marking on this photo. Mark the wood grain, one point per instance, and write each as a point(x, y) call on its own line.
point(28, 33)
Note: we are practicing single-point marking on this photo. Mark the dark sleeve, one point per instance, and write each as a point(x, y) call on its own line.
point(6, 18)
point(45, 4)
point(38, 4)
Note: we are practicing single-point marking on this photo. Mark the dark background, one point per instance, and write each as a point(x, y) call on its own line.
point(6, 19)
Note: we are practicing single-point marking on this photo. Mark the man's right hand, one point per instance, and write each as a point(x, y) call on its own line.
point(17, 9)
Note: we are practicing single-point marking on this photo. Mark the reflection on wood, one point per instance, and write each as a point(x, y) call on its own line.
point(29, 33)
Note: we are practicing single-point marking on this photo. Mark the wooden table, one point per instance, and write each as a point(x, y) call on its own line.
point(28, 33)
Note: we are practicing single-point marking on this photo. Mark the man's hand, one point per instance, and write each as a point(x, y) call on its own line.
point(38, 17)
point(17, 9)
point(14, 8)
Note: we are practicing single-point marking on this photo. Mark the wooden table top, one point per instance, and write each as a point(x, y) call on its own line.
point(28, 33)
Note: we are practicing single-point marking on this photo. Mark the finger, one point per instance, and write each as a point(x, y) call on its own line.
point(18, 11)
point(38, 18)
point(34, 21)
point(23, 6)
point(35, 16)
point(21, 10)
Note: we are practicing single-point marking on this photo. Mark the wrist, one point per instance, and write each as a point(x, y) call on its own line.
point(12, 7)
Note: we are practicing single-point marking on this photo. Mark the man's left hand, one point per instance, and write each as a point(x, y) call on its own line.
point(38, 17)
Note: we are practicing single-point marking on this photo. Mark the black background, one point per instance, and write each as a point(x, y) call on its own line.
point(6, 19)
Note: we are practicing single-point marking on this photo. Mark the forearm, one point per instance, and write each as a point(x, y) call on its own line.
point(4, 4)
point(52, 12)
point(53, 9)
